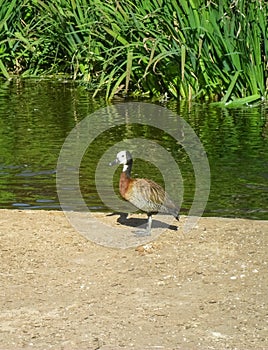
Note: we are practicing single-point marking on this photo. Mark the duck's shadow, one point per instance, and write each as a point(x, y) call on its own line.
point(141, 222)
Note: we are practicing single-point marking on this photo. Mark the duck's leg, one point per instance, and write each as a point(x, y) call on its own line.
point(147, 231)
point(149, 226)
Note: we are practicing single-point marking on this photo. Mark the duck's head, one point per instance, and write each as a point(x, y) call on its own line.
point(123, 157)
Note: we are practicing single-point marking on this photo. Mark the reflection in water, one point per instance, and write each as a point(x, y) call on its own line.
point(36, 117)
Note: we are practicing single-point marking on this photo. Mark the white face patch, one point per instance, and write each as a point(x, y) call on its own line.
point(122, 157)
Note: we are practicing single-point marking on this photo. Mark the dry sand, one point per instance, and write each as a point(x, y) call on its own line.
point(207, 289)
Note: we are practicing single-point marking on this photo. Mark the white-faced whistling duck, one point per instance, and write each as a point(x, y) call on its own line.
point(144, 194)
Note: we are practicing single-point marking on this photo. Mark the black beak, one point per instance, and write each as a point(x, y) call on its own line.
point(114, 162)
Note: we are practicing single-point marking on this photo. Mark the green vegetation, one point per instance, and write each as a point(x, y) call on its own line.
point(185, 49)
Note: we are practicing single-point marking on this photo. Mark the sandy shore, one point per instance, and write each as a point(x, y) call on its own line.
point(205, 289)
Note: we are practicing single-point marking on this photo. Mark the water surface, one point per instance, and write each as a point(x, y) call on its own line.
point(37, 115)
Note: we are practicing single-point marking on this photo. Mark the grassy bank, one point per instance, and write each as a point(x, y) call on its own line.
point(187, 49)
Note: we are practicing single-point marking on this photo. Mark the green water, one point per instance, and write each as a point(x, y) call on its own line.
point(37, 115)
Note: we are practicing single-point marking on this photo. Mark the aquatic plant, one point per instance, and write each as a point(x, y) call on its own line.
point(182, 49)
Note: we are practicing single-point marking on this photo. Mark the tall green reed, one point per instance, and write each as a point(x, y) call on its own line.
point(184, 49)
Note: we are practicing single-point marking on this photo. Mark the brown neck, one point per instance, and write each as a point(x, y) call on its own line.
point(125, 179)
point(123, 184)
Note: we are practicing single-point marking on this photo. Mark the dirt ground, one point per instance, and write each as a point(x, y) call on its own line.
point(205, 289)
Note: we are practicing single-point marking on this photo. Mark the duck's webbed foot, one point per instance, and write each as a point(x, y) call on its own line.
point(142, 233)
point(147, 231)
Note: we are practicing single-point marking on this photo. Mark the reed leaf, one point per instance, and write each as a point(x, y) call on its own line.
point(129, 68)
point(3, 70)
